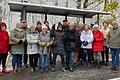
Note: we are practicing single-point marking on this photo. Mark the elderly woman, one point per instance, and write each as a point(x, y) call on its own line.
point(4, 46)
point(87, 39)
point(32, 48)
point(98, 45)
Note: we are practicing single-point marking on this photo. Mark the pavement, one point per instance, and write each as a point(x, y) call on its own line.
point(80, 73)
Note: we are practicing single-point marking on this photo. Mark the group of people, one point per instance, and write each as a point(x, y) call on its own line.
point(74, 43)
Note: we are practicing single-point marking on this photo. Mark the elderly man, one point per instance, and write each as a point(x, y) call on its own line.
point(17, 38)
point(113, 39)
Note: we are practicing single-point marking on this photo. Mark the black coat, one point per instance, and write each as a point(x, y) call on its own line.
point(58, 39)
point(69, 40)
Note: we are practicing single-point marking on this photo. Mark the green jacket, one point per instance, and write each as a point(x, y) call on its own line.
point(15, 36)
point(113, 38)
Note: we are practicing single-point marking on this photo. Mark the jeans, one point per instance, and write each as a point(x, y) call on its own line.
point(3, 58)
point(69, 61)
point(115, 57)
point(16, 61)
point(45, 60)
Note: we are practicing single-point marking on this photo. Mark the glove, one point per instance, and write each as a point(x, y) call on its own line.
point(25, 42)
point(94, 40)
point(85, 43)
point(20, 42)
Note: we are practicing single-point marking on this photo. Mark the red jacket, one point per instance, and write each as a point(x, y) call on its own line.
point(4, 42)
point(99, 41)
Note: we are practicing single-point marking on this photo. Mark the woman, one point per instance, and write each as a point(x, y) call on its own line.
point(32, 48)
point(87, 39)
point(105, 53)
point(4, 46)
point(58, 47)
point(44, 47)
point(17, 37)
point(98, 45)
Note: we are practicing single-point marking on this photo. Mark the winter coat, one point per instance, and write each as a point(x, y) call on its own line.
point(15, 36)
point(43, 40)
point(69, 40)
point(105, 32)
point(4, 42)
point(98, 41)
point(113, 38)
point(32, 43)
point(87, 36)
point(58, 39)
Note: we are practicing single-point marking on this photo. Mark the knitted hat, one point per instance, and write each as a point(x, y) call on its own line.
point(95, 26)
point(38, 22)
point(44, 26)
point(3, 24)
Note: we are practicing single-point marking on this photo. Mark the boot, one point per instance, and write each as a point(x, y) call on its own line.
point(0, 73)
point(100, 64)
point(19, 70)
point(15, 71)
point(4, 70)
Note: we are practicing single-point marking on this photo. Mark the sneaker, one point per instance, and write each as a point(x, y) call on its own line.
point(4, 70)
point(53, 69)
point(31, 69)
point(71, 69)
point(63, 70)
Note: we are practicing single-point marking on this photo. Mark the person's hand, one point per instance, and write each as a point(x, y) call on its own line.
point(94, 40)
point(48, 44)
point(20, 42)
point(85, 43)
point(43, 43)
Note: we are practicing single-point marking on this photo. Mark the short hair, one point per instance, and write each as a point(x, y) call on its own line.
point(105, 22)
point(65, 20)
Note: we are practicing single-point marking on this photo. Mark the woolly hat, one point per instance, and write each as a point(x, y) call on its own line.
point(44, 26)
point(38, 22)
point(95, 26)
point(3, 24)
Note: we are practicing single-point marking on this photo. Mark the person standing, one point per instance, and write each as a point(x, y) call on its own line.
point(17, 37)
point(44, 47)
point(70, 47)
point(106, 49)
point(87, 40)
point(58, 47)
point(4, 46)
point(98, 45)
point(32, 48)
point(113, 41)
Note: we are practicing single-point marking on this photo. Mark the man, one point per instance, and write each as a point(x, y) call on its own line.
point(24, 26)
point(106, 49)
point(65, 25)
point(113, 39)
point(70, 46)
